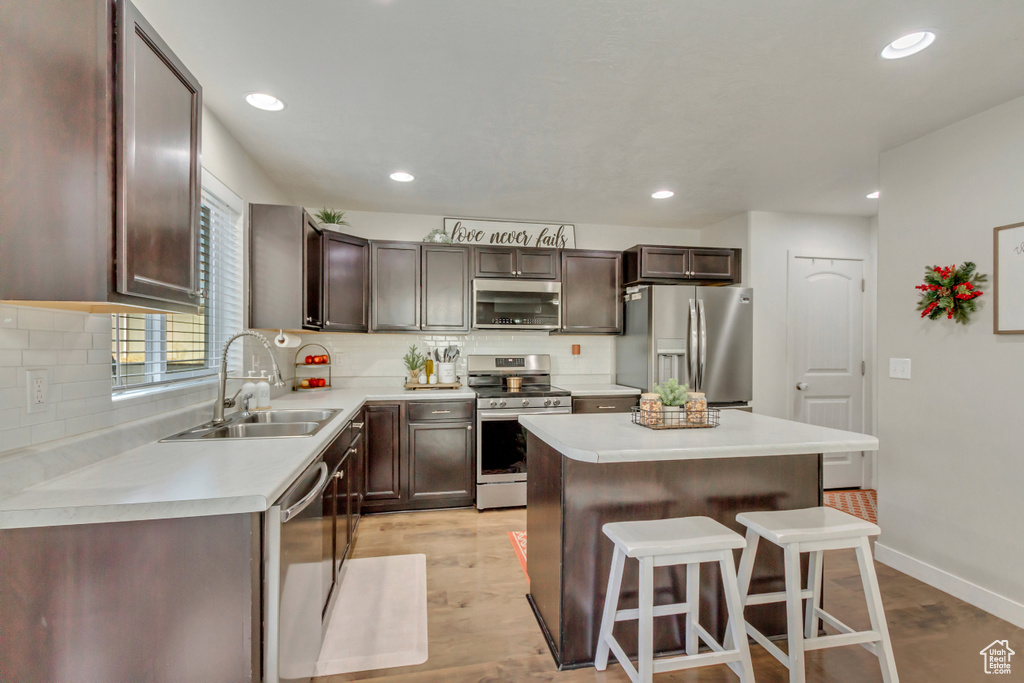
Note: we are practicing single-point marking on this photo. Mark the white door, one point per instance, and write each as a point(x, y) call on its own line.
point(826, 354)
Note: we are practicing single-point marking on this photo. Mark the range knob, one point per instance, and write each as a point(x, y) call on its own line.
point(558, 401)
point(493, 403)
point(526, 403)
point(547, 402)
point(501, 403)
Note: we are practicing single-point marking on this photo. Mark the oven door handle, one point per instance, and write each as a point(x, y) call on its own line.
point(499, 414)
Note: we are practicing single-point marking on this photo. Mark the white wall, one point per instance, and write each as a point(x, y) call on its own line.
point(74, 348)
point(735, 233)
point(773, 236)
point(951, 466)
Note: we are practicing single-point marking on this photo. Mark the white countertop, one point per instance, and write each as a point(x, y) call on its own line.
point(614, 438)
point(195, 478)
point(599, 389)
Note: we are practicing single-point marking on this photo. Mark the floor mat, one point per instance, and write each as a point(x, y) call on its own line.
point(518, 539)
point(859, 503)
point(379, 619)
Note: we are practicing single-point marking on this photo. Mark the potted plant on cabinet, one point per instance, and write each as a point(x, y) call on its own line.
point(329, 218)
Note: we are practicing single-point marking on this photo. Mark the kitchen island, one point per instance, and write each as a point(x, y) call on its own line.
point(588, 470)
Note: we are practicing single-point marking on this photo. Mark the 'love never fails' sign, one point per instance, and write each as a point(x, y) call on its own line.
point(511, 233)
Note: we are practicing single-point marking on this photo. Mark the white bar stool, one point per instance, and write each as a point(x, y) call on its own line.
point(664, 542)
point(814, 530)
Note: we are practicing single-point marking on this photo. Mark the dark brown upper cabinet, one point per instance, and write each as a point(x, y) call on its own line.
point(508, 262)
point(445, 291)
point(419, 287)
point(591, 292)
point(395, 288)
point(115, 236)
point(285, 268)
point(346, 282)
point(158, 173)
point(651, 264)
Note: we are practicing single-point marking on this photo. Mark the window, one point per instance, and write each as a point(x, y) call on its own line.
point(162, 349)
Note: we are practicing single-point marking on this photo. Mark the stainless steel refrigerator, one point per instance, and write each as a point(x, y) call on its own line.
point(702, 336)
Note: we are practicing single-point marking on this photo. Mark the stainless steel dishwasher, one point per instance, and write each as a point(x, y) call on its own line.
point(298, 569)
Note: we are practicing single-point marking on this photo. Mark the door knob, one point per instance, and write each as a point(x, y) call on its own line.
point(800, 386)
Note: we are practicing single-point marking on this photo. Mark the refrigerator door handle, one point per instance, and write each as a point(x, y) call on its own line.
point(703, 343)
point(694, 380)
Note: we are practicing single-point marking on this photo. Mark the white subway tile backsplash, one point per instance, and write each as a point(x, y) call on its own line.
point(79, 340)
point(75, 390)
point(98, 324)
point(10, 418)
point(10, 358)
point(101, 340)
point(69, 322)
point(105, 356)
point(9, 377)
point(38, 358)
point(79, 425)
point(48, 431)
point(45, 339)
point(13, 439)
point(13, 339)
point(8, 316)
point(35, 319)
point(73, 357)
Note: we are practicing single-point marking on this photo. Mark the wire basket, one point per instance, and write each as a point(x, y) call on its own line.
point(675, 419)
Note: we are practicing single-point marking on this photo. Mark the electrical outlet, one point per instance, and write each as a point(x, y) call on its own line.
point(899, 368)
point(38, 388)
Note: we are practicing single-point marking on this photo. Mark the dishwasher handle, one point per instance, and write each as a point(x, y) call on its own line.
point(321, 484)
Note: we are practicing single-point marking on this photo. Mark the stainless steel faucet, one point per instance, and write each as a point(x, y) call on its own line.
point(222, 377)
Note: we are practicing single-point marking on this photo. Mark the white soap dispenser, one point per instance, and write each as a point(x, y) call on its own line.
point(248, 389)
point(263, 393)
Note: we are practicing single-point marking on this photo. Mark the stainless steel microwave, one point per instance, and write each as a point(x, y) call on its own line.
point(516, 304)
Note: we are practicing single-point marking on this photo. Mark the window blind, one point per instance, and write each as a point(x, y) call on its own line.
point(156, 349)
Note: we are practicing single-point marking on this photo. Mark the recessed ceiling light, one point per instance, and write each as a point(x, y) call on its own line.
point(264, 101)
point(873, 195)
point(910, 44)
point(402, 176)
point(663, 194)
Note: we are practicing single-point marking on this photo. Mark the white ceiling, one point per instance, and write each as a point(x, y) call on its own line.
point(576, 110)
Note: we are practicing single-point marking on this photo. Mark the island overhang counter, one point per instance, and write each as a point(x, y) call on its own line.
point(588, 470)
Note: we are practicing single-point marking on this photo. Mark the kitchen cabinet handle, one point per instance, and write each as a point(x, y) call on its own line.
point(440, 412)
point(606, 407)
point(339, 475)
point(309, 318)
point(469, 428)
point(328, 323)
point(350, 451)
point(800, 386)
point(357, 425)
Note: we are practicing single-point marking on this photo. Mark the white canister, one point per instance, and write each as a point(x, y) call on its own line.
point(446, 373)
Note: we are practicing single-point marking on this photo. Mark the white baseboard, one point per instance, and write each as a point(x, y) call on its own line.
point(982, 598)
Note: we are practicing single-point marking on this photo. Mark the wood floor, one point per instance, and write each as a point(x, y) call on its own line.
point(482, 629)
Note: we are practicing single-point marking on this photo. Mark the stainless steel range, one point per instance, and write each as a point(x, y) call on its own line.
point(507, 387)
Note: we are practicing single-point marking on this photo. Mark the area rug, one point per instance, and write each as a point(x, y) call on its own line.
point(379, 620)
point(859, 503)
point(518, 539)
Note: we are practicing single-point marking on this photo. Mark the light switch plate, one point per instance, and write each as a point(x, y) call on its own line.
point(899, 368)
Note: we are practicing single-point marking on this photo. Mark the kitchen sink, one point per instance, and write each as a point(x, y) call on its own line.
point(269, 424)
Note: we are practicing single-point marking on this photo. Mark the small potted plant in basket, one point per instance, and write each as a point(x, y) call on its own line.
point(330, 218)
point(414, 362)
point(673, 397)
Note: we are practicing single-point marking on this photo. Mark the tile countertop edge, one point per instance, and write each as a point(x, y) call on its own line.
point(542, 428)
point(51, 503)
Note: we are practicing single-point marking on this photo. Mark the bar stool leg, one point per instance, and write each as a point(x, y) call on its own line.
point(611, 605)
point(814, 569)
point(736, 629)
point(645, 627)
point(746, 570)
point(876, 611)
point(793, 617)
point(693, 600)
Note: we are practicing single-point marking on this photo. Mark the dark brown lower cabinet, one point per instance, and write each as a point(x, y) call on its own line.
point(419, 455)
point(382, 434)
point(441, 459)
point(604, 404)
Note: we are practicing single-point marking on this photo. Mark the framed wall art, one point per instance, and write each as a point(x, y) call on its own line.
point(1008, 246)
